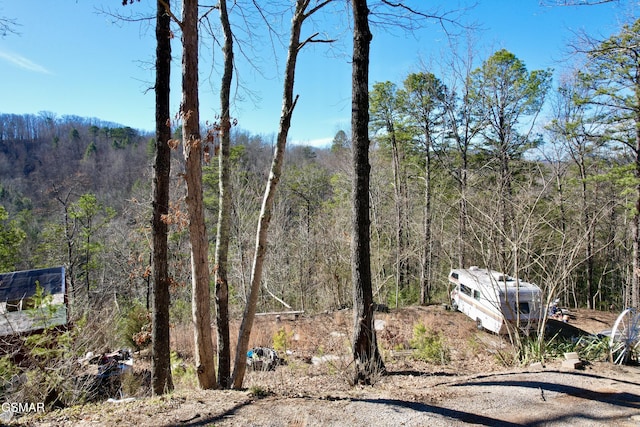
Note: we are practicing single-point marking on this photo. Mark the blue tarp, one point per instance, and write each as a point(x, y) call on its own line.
point(22, 284)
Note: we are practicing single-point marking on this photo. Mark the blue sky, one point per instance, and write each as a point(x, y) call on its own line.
point(70, 59)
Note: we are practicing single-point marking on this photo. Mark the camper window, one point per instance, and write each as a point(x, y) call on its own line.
point(476, 294)
point(523, 308)
point(465, 289)
point(454, 275)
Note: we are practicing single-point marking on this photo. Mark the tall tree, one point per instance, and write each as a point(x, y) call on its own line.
point(507, 93)
point(580, 136)
point(91, 216)
point(161, 381)
point(464, 125)
point(613, 77)
point(69, 231)
point(307, 185)
point(300, 14)
point(368, 361)
point(424, 97)
point(193, 154)
point(224, 210)
point(385, 114)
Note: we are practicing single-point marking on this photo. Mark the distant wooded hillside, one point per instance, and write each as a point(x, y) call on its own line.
point(42, 153)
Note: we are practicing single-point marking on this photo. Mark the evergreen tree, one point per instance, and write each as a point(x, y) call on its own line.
point(11, 237)
point(612, 76)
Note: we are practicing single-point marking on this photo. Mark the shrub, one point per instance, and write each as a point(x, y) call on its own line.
point(532, 349)
point(259, 391)
point(589, 347)
point(8, 371)
point(281, 340)
point(408, 295)
point(135, 327)
point(428, 345)
point(50, 366)
point(48, 369)
point(593, 348)
point(182, 373)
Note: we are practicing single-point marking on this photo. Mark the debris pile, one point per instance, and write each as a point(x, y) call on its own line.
point(263, 359)
point(104, 379)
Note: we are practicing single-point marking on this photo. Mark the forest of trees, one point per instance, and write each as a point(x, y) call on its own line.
point(489, 164)
point(68, 179)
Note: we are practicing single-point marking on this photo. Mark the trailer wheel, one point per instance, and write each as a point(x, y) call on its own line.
point(454, 306)
point(479, 324)
point(624, 344)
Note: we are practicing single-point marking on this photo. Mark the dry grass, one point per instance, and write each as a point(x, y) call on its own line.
point(322, 334)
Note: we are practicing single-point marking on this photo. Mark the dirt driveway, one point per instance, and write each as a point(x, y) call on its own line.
point(596, 396)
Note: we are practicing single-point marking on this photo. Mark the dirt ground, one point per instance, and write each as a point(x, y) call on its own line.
point(474, 387)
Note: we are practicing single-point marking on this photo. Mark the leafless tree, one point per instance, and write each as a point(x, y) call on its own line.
point(368, 361)
point(301, 13)
point(161, 381)
point(193, 153)
point(224, 212)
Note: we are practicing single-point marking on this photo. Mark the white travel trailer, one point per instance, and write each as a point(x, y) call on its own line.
point(492, 299)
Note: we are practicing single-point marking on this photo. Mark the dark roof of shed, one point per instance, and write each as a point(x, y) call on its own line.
point(22, 284)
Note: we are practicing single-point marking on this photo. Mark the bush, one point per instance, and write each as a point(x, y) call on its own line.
point(428, 345)
point(182, 373)
point(590, 348)
point(135, 327)
point(50, 366)
point(281, 340)
point(135, 384)
point(8, 372)
point(48, 370)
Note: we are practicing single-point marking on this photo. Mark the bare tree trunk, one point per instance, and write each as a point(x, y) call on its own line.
point(68, 238)
point(368, 361)
point(463, 215)
point(506, 212)
point(161, 381)
point(224, 213)
point(590, 235)
point(425, 279)
point(192, 146)
point(288, 104)
point(400, 193)
point(634, 299)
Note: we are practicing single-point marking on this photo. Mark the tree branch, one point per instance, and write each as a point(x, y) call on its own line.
point(574, 2)
point(311, 39)
point(315, 9)
point(7, 26)
point(410, 13)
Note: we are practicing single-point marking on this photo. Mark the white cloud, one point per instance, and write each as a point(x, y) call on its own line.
point(22, 62)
